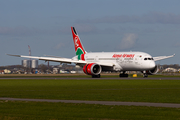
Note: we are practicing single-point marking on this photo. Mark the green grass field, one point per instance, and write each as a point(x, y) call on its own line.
point(65, 111)
point(103, 75)
point(159, 91)
point(163, 91)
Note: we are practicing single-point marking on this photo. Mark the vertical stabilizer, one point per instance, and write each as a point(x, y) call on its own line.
point(79, 49)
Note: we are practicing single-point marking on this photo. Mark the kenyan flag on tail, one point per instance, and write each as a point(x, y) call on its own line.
point(79, 49)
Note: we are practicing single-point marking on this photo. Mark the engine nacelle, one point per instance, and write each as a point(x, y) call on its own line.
point(153, 71)
point(92, 69)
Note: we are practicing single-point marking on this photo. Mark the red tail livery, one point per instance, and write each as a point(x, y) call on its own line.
point(79, 49)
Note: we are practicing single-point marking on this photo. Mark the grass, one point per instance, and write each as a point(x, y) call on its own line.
point(55, 111)
point(44, 75)
point(103, 75)
point(159, 91)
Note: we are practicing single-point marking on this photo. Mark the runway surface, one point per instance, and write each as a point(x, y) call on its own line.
point(169, 105)
point(75, 78)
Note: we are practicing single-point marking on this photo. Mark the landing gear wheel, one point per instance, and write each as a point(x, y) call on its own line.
point(145, 75)
point(96, 76)
point(123, 75)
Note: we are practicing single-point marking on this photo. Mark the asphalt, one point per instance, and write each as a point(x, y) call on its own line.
point(169, 105)
point(74, 78)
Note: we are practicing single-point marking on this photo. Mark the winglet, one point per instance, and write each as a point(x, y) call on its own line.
point(14, 55)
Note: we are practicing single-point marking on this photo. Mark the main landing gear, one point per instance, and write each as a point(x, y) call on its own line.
point(145, 75)
point(123, 74)
point(96, 76)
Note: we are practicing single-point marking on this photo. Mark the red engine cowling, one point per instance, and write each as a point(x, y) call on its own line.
point(92, 69)
point(153, 71)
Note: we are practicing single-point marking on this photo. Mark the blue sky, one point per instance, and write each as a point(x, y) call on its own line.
point(151, 26)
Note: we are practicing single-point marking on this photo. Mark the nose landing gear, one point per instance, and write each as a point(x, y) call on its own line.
point(145, 75)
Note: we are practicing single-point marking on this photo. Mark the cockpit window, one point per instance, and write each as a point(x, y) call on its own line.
point(148, 59)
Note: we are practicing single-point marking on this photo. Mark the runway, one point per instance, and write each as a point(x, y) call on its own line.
point(169, 105)
point(76, 78)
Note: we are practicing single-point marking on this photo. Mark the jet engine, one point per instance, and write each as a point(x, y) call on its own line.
point(153, 71)
point(92, 69)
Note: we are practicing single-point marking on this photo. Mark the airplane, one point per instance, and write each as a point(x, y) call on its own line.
point(93, 63)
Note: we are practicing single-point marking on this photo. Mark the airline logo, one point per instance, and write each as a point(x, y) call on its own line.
point(77, 44)
point(81, 57)
point(123, 55)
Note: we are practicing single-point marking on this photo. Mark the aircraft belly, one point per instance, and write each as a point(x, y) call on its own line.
point(130, 66)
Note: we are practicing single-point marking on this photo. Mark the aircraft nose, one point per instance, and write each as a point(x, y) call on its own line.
point(152, 64)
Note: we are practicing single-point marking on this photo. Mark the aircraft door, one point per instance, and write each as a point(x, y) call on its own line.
point(138, 59)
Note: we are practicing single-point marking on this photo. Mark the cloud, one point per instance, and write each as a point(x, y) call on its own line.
point(5, 30)
point(80, 28)
point(59, 46)
point(128, 41)
point(19, 31)
point(177, 45)
point(149, 18)
point(85, 28)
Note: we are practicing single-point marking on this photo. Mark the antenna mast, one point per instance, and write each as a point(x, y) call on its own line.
point(29, 50)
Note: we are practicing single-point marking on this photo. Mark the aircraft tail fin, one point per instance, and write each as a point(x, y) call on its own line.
point(79, 49)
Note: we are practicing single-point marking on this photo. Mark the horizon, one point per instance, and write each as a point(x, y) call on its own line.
point(102, 25)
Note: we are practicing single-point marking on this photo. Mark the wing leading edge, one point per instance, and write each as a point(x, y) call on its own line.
point(162, 57)
point(62, 60)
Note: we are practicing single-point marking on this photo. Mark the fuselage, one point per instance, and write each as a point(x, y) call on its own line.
point(122, 61)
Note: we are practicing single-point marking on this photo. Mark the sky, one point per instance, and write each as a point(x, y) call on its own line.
point(151, 26)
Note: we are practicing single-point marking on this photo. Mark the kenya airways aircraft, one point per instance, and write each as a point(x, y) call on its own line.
point(95, 62)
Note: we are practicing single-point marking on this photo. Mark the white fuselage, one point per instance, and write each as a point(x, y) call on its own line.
point(122, 61)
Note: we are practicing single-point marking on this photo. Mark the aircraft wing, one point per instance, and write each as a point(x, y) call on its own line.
point(162, 57)
point(62, 60)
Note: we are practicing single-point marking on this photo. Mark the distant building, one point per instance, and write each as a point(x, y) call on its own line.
point(34, 64)
point(26, 63)
point(6, 71)
point(1, 71)
point(170, 70)
point(30, 63)
point(55, 70)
